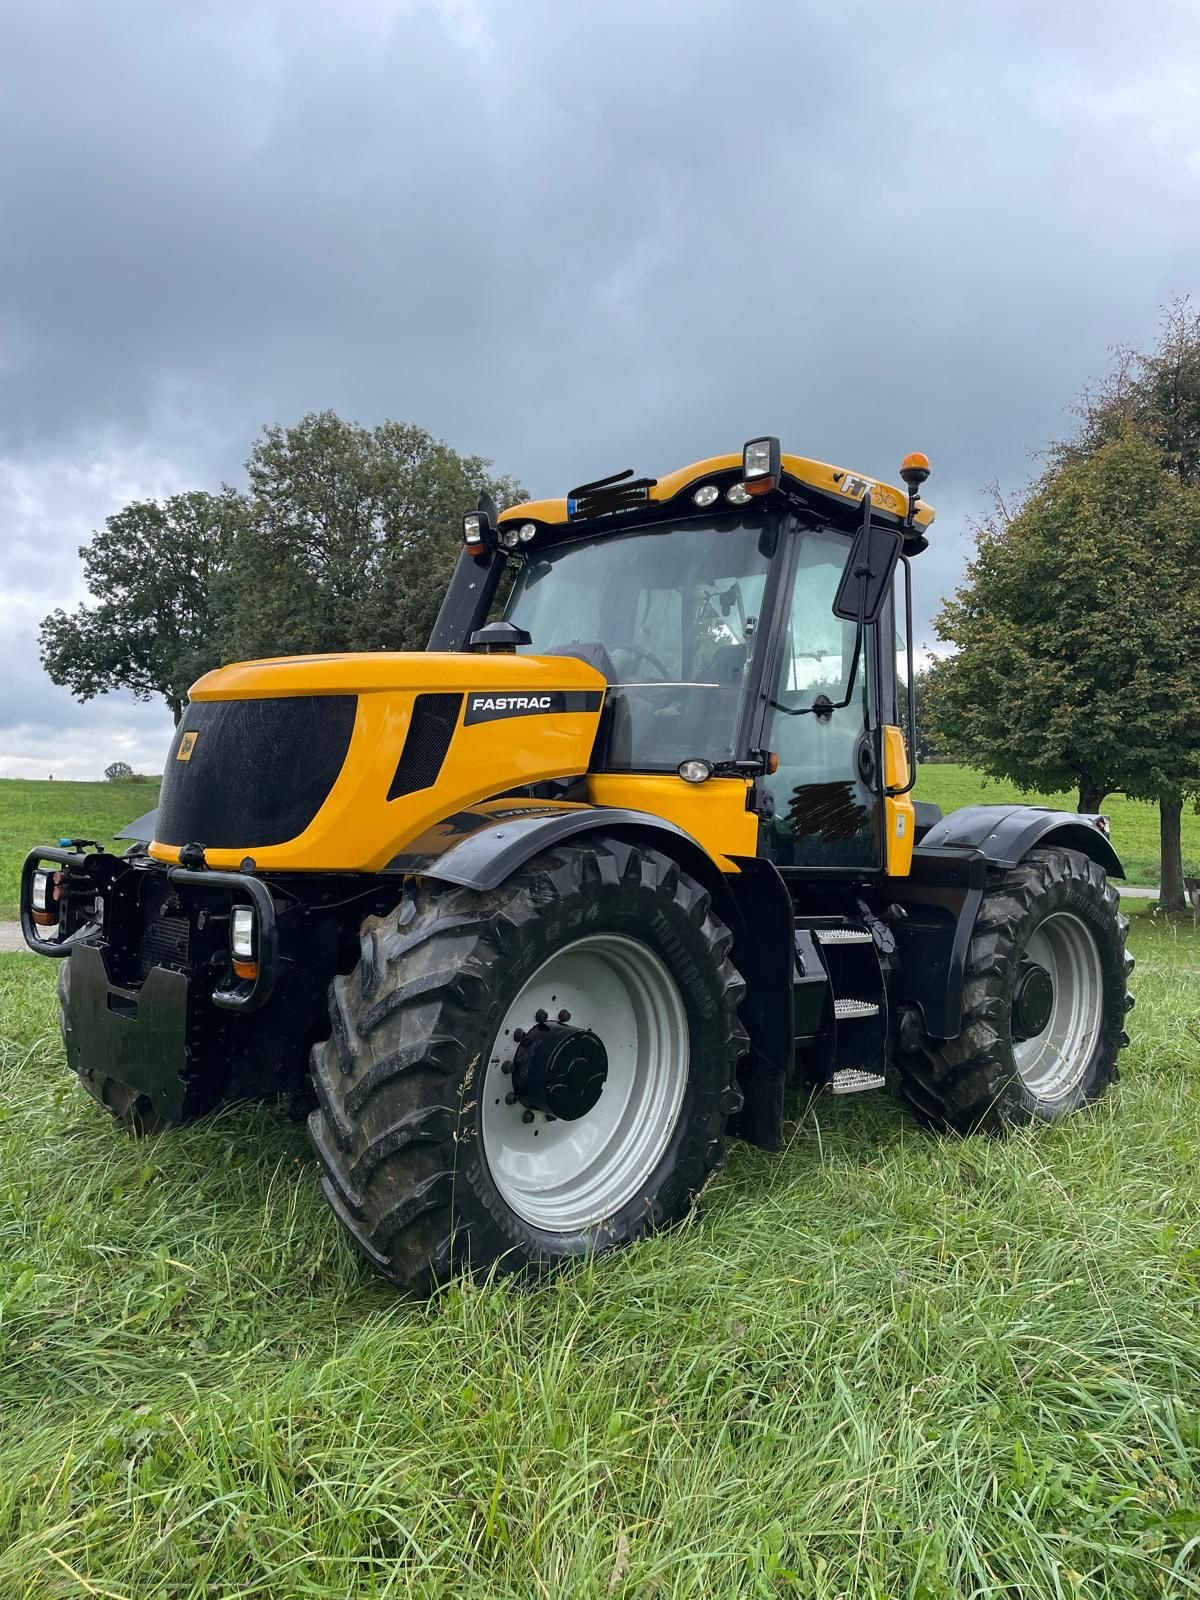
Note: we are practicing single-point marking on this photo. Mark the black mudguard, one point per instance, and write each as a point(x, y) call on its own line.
point(1006, 834)
point(944, 890)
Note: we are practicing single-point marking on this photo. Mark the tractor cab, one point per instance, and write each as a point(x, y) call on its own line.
point(741, 613)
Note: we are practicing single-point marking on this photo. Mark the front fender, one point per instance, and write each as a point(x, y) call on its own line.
point(481, 846)
point(1007, 833)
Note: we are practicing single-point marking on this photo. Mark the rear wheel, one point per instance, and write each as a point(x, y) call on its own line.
point(523, 1077)
point(1044, 1002)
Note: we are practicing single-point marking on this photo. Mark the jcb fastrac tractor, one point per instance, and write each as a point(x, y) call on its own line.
point(535, 919)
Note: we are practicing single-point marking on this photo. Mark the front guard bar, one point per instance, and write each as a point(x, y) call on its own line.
point(246, 997)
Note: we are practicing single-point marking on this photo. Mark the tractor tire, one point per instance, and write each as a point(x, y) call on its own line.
point(130, 1107)
point(596, 982)
point(1054, 917)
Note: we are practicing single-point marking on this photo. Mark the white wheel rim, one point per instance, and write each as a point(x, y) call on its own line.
point(1053, 1062)
point(563, 1176)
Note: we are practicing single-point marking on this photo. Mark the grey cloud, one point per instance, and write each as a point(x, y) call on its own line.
point(581, 237)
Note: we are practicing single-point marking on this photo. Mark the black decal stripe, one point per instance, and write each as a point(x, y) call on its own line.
point(488, 705)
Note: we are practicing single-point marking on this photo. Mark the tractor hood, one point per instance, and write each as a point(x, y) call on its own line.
point(334, 763)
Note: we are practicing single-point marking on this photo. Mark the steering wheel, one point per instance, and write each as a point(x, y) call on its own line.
point(644, 655)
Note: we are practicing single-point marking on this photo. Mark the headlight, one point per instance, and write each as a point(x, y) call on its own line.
point(39, 891)
point(241, 933)
point(761, 465)
point(737, 494)
point(706, 494)
point(695, 771)
point(528, 531)
point(508, 538)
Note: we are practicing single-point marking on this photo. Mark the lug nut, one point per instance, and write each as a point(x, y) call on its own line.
point(564, 1016)
point(518, 1035)
point(510, 1099)
point(527, 1116)
point(506, 1067)
point(540, 1016)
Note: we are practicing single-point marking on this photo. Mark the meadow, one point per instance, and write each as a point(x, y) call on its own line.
point(37, 811)
point(877, 1364)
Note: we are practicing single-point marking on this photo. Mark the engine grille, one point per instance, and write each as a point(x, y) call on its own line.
point(165, 942)
point(434, 719)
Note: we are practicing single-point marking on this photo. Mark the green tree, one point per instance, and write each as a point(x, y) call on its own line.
point(119, 772)
point(157, 622)
point(352, 535)
point(1078, 639)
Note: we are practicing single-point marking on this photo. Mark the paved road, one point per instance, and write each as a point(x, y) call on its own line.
point(10, 932)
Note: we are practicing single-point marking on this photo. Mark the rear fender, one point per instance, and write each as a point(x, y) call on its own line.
point(1006, 834)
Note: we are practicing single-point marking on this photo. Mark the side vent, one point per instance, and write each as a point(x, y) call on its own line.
point(434, 719)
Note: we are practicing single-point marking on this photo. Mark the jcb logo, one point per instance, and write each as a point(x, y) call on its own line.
point(186, 745)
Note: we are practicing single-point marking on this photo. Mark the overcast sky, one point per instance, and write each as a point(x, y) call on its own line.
point(571, 235)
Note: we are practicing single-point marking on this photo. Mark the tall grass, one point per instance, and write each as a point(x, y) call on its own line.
point(878, 1364)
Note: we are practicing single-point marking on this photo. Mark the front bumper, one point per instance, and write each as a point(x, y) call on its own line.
point(89, 882)
point(137, 1036)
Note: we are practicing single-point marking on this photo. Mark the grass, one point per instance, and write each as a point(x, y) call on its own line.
point(1134, 822)
point(878, 1364)
point(34, 811)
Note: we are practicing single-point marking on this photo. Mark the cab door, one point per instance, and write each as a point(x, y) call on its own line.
point(820, 808)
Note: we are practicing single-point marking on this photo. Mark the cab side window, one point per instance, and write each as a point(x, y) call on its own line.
point(818, 811)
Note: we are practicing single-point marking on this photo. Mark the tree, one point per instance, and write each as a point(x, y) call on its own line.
point(1079, 640)
point(119, 772)
point(157, 623)
point(352, 535)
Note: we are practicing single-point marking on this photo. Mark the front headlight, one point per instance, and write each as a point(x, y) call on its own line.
point(39, 891)
point(241, 933)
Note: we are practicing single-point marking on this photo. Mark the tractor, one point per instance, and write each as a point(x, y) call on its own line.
point(530, 923)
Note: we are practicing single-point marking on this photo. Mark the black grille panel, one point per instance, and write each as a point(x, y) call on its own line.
point(252, 772)
point(434, 719)
point(164, 943)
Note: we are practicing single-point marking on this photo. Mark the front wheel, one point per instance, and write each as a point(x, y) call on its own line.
point(1044, 1002)
point(519, 1078)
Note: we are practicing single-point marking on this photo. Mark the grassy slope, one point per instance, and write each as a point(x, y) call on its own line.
point(1134, 823)
point(879, 1364)
point(33, 811)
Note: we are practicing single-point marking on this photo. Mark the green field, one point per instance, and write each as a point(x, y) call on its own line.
point(878, 1364)
point(33, 811)
point(1134, 822)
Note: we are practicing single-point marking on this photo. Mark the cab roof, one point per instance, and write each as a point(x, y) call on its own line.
point(833, 489)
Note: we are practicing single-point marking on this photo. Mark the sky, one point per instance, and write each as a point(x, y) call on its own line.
point(569, 235)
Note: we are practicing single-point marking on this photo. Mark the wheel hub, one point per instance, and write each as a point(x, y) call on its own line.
point(560, 1070)
point(1033, 1000)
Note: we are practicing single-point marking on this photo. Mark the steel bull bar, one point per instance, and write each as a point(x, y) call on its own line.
point(247, 996)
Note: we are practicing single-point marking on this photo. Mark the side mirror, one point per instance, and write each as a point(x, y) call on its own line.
point(867, 580)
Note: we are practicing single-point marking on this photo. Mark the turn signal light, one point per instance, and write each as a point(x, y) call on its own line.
point(246, 969)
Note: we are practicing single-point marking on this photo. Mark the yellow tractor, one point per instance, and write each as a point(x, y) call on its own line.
point(530, 922)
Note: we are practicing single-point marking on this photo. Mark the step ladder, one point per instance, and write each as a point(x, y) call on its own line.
point(855, 1062)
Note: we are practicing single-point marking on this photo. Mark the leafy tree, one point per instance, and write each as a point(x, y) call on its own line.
point(352, 535)
point(1079, 639)
point(156, 624)
point(119, 772)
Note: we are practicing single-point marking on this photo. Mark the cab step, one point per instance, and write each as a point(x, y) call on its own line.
point(848, 1010)
point(852, 1080)
point(843, 935)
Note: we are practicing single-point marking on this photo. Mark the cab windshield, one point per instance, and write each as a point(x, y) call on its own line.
point(670, 615)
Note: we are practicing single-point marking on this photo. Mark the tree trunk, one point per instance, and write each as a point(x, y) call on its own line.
point(176, 710)
point(1091, 795)
point(1170, 871)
